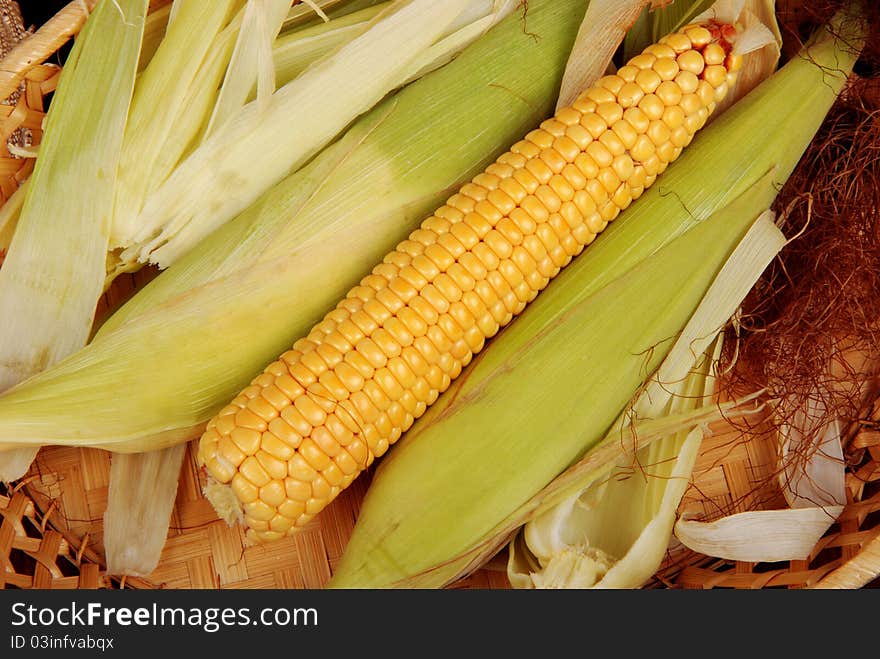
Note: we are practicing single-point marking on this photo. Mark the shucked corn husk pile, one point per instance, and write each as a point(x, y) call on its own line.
point(292, 152)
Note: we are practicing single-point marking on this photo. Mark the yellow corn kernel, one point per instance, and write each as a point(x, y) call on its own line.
point(715, 75)
point(658, 133)
point(698, 35)
point(643, 149)
point(584, 104)
point(627, 73)
point(706, 93)
point(629, 95)
point(678, 41)
point(594, 124)
point(623, 166)
point(652, 106)
point(691, 61)
point(552, 126)
point(691, 103)
point(637, 119)
point(643, 61)
point(669, 93)
point(612, 83)
point(246, 491)
point(600, 153)
point(610, 112)
point(714, 54)
point(660, 50)
point(568, 116)
point(733, 63)
point(687, 82)
point(648, 80)
point(625, 133)
point(673, 117)
point(600, 95)
point(666, 68)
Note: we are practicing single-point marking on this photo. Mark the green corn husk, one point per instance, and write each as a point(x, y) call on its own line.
point(530, 405)
point(160, 101)
point(295, 51)
point(234, 167)
point(252, 61)
point(48, 287)
point(615, 531)
point(192, 339)
point(612, 525)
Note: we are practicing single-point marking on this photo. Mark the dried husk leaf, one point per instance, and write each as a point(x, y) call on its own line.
point(812, 475)
point(762, 41)
point(763, 535)
point(294, 51)
point(251, 61)
point(9, 214)
point(813, 467)
point(170, 76)
point(603, 28)
point(141, 497)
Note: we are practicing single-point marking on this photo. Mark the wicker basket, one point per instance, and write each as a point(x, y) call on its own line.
point(51, 533)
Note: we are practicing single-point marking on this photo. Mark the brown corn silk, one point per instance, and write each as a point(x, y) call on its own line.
point(809, 332)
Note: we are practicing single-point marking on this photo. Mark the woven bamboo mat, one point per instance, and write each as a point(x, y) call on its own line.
point(202, 551)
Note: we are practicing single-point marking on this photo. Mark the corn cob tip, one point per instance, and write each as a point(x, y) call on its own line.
point(325, 410)
point(225, 503)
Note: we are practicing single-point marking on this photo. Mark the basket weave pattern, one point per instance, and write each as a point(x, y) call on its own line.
point(736, 474)
point(34, 555)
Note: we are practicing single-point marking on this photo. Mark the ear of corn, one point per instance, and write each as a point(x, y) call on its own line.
point(335, 402)
point(189, 351)
point(48, 290)
point(490, 444)
point(125, 554)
